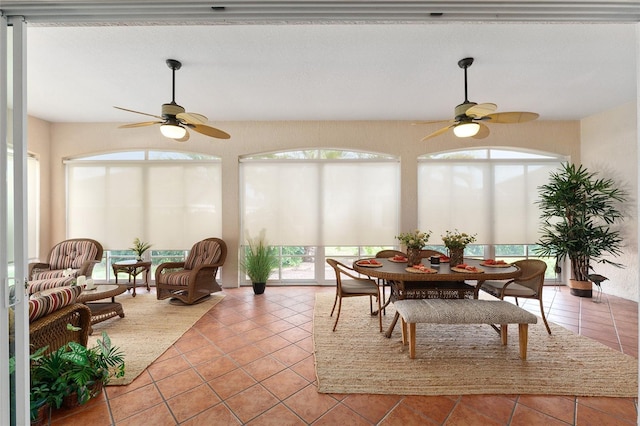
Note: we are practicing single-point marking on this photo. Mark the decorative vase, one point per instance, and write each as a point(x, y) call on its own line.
point(258, 288)
point(581, 288)
point(456, 256)
point(413, 256)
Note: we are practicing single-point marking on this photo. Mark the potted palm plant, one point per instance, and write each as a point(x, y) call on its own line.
point(139, 247)
point(578, 211)
point(259, 260)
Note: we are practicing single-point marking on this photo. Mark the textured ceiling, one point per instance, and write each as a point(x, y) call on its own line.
point(329, 71)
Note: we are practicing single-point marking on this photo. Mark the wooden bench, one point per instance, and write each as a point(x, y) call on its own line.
point(463, 311)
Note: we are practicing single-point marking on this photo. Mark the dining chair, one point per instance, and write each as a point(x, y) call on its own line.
point(528, 285)
point(425, 254)
point(353, 286)
point(386, 254)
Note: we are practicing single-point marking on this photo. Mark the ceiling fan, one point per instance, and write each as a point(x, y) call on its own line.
point(174, 121)
point(469, 116)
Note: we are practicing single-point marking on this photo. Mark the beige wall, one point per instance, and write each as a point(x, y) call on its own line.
point(610, 147)
point(38, 135)
point(402, 139)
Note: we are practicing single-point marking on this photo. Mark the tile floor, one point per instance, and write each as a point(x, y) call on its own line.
point(250, 361)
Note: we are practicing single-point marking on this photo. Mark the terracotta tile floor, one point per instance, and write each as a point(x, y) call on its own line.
point(250, 361)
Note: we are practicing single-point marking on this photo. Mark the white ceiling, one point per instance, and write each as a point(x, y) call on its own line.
point(329, 71)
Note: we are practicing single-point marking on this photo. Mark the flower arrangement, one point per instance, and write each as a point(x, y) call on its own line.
point(457, 240)
point(415, 239)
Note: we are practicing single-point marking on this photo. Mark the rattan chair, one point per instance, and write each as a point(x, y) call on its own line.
point(425, 254)
point(194, 279)
point(386, 254)
point(353, 286)
point(78, 255)
point(52, 331)
point(528, 286)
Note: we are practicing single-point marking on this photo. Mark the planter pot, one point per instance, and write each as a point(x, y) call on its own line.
point(581, 288)
point(72, 401)
point(42, 416)
point(258, 288)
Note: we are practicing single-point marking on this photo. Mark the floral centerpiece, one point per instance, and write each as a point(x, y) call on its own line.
point(456, 242)
point(414, 241)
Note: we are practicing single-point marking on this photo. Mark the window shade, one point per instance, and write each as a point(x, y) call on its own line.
point(337, 203)
point(171, 204)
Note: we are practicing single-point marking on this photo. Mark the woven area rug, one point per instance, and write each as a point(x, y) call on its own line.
point(149, 328)
point(460, 359)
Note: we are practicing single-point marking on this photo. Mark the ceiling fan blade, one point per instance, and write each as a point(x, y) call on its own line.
point(437, 133)
point(138, 112)
point(432, 122)
point(184, 138)
point(481, 110)
point(512, 117)
point(209, 131)
point(144, 123)
point(482, 133)
point(192, 118)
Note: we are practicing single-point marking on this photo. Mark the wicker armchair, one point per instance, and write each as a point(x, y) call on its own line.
point(49, 314)
point(78, 254)
point(194, 279)
point(51, 330)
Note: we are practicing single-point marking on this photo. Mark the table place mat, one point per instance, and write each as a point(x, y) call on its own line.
point(420, 271)
point(369, 265)
point(391, 259)
point(466, 271)
point(499, 265)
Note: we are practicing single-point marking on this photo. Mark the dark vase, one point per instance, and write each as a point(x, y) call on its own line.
point(456, 256)
point(413, 256)
point(258, 288)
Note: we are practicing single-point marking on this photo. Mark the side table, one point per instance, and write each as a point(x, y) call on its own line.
point(133, 268)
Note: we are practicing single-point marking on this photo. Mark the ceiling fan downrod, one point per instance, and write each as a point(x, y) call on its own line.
point(464, 64)
point(174, 65)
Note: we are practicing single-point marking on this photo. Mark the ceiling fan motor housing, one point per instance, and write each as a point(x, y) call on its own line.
point(461, 110)
point(171, 110)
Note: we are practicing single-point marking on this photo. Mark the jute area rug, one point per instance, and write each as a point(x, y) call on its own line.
point(460, 359)
point(149, 328)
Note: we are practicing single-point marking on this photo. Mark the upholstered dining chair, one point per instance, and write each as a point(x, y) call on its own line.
point(353, 286)
point(75, 256)
point(194, 279)
point(528, 286)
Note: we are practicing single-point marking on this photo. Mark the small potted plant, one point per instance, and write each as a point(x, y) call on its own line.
point(578, 210)
point(73, 374)
point(456, 242)
point(259, 260)
point(139, 247)
point(414, 241)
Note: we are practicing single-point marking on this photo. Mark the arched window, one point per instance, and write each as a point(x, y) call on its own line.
point(490, 192)
point(170, 199)
point(312, 201)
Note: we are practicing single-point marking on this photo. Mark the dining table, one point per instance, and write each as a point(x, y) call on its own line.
point(436, 281)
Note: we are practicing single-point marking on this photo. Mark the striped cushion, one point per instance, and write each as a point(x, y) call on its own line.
point(58, 273)
point(42, 305)
point(39, 285)
point(203, 253)
point(175, 278)
point(72, 254)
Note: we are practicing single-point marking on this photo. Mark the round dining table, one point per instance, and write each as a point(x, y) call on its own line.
point(443, 283)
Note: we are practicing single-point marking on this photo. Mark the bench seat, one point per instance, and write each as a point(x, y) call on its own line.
point(463, 311)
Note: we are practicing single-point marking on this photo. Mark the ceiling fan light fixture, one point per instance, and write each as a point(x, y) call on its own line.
point(173, 131)
point(466, 130)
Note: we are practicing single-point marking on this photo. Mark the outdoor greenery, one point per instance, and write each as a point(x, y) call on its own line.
point(578, 211)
